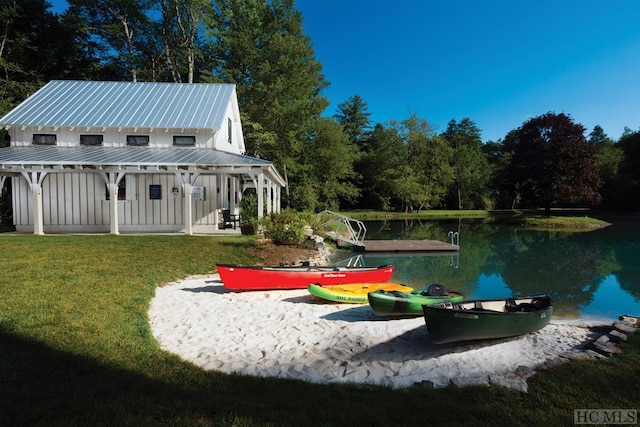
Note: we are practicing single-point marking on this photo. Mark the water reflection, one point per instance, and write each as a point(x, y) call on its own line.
point(589, 274)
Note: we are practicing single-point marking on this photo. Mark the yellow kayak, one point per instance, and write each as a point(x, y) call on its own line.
point(354, 293)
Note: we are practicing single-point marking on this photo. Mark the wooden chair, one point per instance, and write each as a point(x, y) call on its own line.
point(229, 220)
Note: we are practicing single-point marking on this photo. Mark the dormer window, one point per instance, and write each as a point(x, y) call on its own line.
point(91, 139)
point(44, 139)
point(184, 141)
point(138, 140)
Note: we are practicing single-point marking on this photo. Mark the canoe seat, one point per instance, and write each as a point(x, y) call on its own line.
point(436, 290)
point(526, 307)
point(537, 303)
point(513, 307)
point(541, 302)
point(477, 306)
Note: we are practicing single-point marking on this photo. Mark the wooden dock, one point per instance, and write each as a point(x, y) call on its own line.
point(408, 246)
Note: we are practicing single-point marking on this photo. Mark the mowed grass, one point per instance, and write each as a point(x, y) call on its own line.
point(76, 349)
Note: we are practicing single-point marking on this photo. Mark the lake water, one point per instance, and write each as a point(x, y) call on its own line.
point(590, 275)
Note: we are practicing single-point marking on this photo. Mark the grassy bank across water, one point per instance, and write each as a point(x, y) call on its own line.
point(76, 349)
point(569, 219)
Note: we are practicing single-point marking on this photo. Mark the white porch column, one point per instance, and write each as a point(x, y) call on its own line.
point(269, 197)
point(236, 195)
point(187, 189)
point(112, 179)
point(273, 197)
point(278, 198)
point(223, 191)
point(187, 179)
point(113, 208)
point(260, 191)
point(38, 223)
point(35, 184)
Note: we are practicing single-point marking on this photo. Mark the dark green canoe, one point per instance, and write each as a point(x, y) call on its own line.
point(487, 319)
point(394, 303)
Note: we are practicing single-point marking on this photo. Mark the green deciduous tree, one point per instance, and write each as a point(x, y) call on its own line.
point(409, 166)
point(260, 46)
point(629, 173)
point(498, 188)
point(386, 159)
point(470, 166)
point(182, 36)
point(122, 28)
point(609, 160)
point(429, 159)
point(37, 46)
point(552, 163)
point(327, 168)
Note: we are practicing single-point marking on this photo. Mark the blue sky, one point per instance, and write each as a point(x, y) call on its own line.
point(498, 62)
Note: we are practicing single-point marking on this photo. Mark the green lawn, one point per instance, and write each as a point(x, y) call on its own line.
point(76, 349)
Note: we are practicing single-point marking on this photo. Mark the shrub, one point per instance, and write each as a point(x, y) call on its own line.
point(249, 207)
point(286, 227)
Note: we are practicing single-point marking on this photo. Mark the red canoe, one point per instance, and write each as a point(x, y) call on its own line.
point(246, 278)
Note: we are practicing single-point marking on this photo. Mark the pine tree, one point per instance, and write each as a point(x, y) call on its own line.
point(353, 115)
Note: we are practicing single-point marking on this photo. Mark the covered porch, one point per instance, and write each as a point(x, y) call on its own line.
point(133, 189)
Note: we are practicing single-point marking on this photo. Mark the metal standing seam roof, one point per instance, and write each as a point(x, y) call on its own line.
point(23, 158)
point(51, 155)
point(124, 104)
point(27, 157)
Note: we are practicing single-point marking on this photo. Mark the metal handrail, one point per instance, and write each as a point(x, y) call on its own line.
point(340, 227)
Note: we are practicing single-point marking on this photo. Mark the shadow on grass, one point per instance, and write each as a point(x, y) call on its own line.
point(43, 386)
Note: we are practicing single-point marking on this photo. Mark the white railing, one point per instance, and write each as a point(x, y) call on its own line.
point(340, 227)
point(455, 238)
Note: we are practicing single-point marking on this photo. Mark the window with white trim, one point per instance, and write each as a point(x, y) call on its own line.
point(230, 131)
point(91, 139)
point(44, 139)
point(138, 140)
point(184, 140)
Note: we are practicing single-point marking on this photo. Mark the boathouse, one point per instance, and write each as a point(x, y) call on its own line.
point(88, 156)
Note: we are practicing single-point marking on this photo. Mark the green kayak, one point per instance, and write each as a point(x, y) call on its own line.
point(395, 303)
point(487, 319)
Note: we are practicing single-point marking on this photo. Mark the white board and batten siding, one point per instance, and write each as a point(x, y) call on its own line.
point(78, 203)
point(75, 196)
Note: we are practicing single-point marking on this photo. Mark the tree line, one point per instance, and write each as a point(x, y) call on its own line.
point(340, 162)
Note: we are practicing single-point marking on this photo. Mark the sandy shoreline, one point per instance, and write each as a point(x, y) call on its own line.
point(289, 334)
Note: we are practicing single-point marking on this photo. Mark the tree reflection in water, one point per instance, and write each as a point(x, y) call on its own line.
point(570, 266)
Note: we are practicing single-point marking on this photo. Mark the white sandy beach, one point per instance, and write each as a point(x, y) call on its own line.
point(289, 334)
